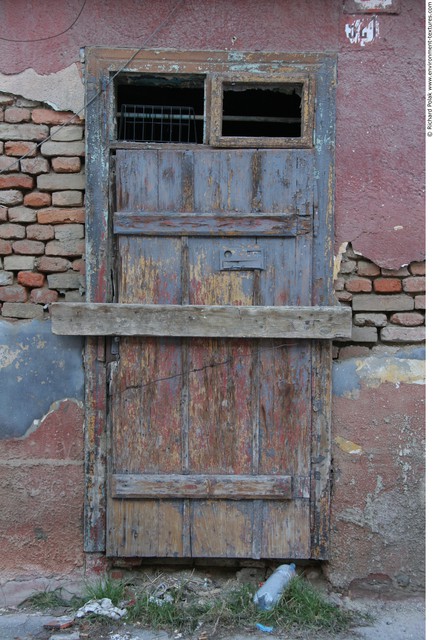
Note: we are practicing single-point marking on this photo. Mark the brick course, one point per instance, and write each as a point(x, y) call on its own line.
point(386, 303)
point(41, 208)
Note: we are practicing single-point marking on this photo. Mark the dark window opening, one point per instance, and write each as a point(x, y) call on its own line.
point(253, 110)
point(161, 109)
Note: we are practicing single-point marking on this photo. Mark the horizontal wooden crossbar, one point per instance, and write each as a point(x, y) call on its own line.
point(209, 224)
point(97, 319)
point(201, 486)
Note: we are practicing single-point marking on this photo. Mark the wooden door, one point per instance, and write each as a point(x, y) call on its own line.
point(211, 436)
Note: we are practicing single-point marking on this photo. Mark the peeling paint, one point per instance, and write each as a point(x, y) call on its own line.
point(7, 356)
point(347, 446)
point(338, 258)
point(36, 369)
point(55, 406)
point(372, 371)
point(63, 91)
point(362, 31)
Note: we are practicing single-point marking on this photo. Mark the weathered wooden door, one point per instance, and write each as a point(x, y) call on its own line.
point(217, 307)
point(211, 436)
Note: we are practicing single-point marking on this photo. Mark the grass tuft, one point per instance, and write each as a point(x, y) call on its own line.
point(46, 599)
point(106, 587)
point(304, 607)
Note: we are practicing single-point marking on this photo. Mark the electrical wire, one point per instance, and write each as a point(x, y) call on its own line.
point(101, 91)
point(49, 37)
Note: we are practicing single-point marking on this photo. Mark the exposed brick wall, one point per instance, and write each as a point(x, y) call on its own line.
point(41, 208)
point(388, 305)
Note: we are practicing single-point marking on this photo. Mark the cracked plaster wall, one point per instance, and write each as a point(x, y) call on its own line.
point(379, 151)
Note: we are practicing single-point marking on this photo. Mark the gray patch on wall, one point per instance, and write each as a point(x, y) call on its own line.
point(36, 369)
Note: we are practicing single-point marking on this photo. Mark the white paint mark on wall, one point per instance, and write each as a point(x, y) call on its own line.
point(7, 356)
point(362, 31)
point(63, 91)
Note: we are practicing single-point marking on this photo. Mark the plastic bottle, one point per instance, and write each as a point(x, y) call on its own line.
point(271, 591)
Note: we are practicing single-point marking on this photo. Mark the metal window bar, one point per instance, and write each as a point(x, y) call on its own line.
point(157, 123)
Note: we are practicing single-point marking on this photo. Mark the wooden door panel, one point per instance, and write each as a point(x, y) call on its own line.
point(221, 407)
point(239, 181)
point(212, 407)
point(151, 410)
point(151, 528)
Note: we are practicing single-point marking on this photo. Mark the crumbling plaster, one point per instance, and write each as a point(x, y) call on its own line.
point(62, 90)
point(379, 149)
point(37, 368)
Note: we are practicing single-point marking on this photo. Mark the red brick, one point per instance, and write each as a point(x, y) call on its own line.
point(387, 285)
point(358, 285)
point(414, 285)
point(8, 164)
point(344, 296)
point(46, 116)
point(5, 247)
point(16, 180)
point(43, 296)
point(367, 268)
point(339, 284)
point(28, 247)
point(12, 231)
point(67, 198)
point(403, 334)
point(13, 293)
point(20, 148)
point(420, 302)
point(353, 351)
point(37, 199)
point(79, 265)
point(21, 214)
point(11, 197)
point(30, 279)
point(40, 232)
point(68, 249)
point(52, 265)
point(417, 268)
point(375, 302)
point(15, 114)
point(407, 319)
point(35, 166)
point(348, 267)
point(66, 165)
point(60, 216)
point(25, 311)
point(395, 273)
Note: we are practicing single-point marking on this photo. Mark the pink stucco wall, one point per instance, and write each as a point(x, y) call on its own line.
point(380, 139)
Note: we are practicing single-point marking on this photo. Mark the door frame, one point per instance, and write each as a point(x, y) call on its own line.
point(102, 65)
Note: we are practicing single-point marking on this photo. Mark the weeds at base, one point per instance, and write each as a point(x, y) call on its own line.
point(184, 607)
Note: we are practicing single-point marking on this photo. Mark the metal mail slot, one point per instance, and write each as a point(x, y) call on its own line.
point(241, 259)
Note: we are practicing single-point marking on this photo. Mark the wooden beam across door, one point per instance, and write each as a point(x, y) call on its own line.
point(114, 319)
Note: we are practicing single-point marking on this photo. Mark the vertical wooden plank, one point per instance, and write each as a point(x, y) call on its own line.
point(286, 529)
point(137, 180)
point(207, 182)
point(147, 401)
point(222, 529)
point(322, 294)
point(98, 262)
point(150, 528)
point(235, 180)
point(95, 446)
point(221, 385)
